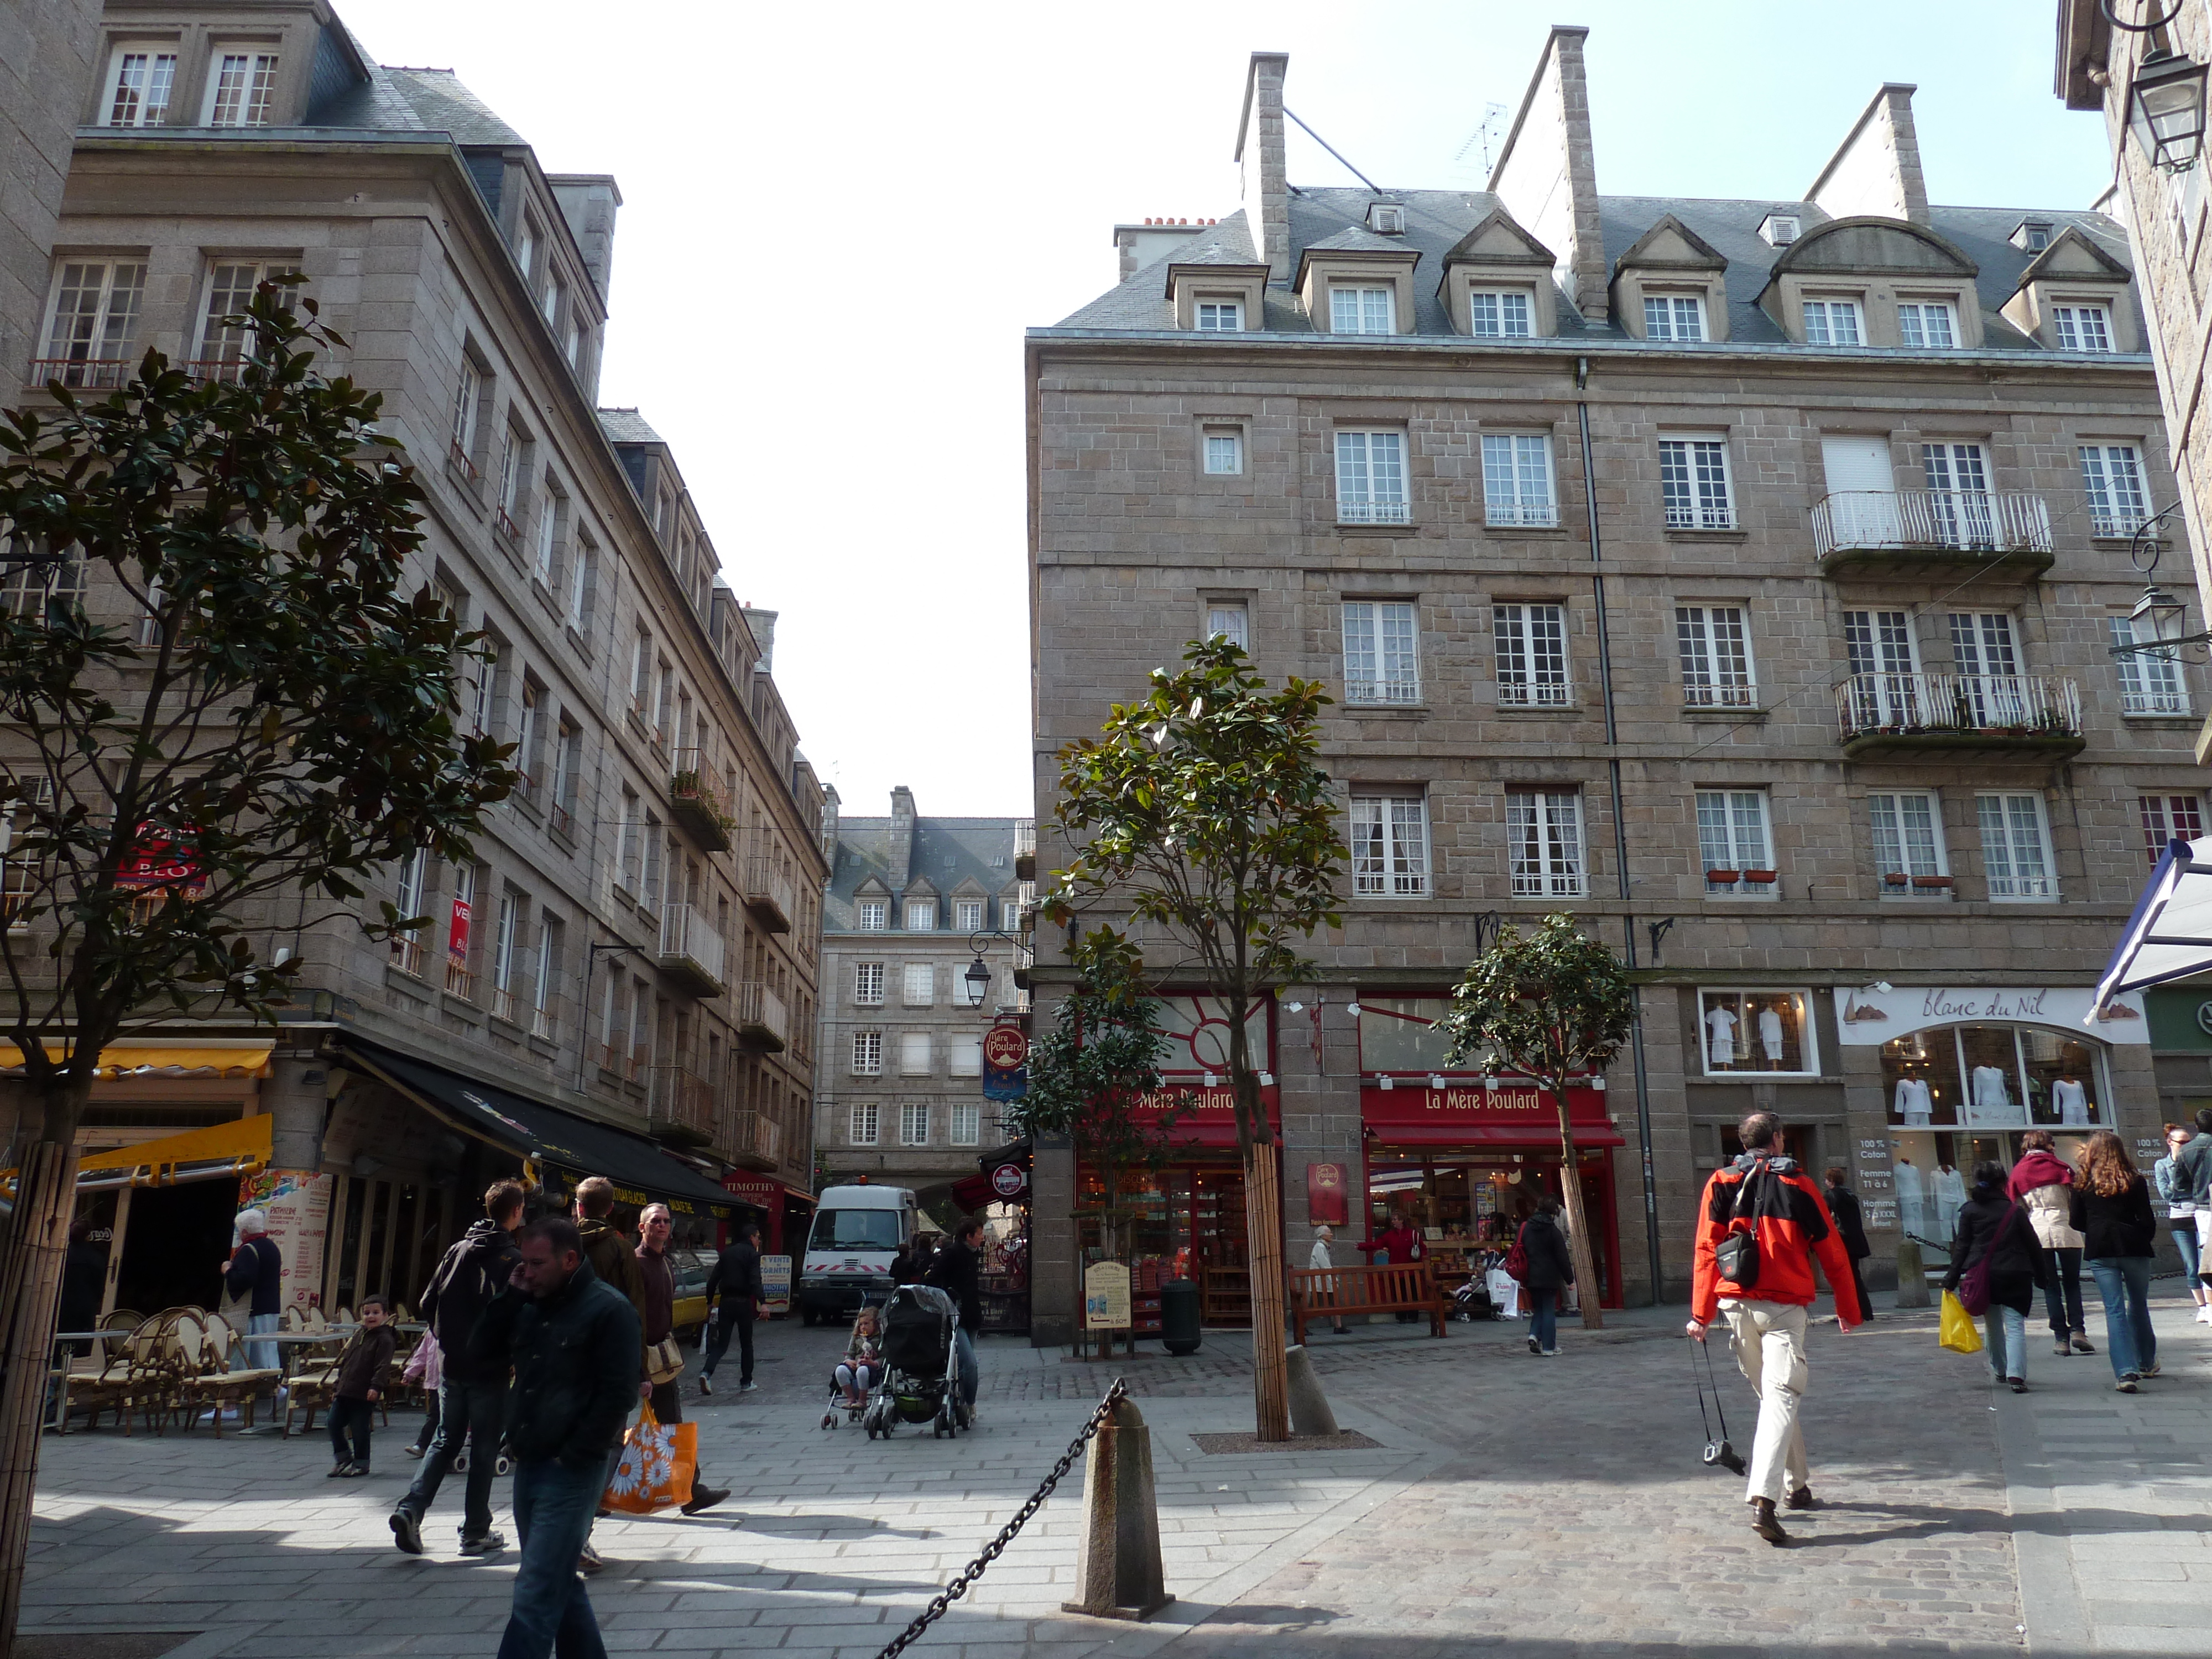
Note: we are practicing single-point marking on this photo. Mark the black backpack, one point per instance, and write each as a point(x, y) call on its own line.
point(1737, 1253)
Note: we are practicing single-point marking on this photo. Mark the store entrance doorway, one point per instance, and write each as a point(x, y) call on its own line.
point(176, 1245)
point(1225, 1279)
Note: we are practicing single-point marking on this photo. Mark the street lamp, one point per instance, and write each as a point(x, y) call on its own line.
point(2166, 616)
point(2165, 111)
point(975, 983)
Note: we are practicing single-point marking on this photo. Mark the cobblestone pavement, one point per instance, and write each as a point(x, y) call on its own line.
point(1514, 1504)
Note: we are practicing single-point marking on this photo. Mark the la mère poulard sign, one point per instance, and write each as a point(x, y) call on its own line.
point(1207, 1117)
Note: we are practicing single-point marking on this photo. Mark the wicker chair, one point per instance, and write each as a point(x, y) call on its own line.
point(220, 1383)
point(131, 1368)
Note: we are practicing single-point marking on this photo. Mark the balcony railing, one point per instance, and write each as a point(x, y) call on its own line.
point(1700, 516)
point(1025, 849)
point(691, 948)
point(1523, 515)
point(558, 816)
point(1526, 694)
point(1707, 694)
point(504, 1005)
point(459, 982)
point(1384, 691)
point(755, 1136)
point(697, 804)
point(1372, 509)
point(1950, 711)
point(407, 954)
point(1930, 520)
point(458, 459)
point(763, 1021)
point(545, 1019)
point(769, 893)
point(86, 373)
point(503, 521)
point(219, 371)
point(678, 1098)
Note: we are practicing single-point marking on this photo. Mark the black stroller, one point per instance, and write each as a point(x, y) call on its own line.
point(921, 1365)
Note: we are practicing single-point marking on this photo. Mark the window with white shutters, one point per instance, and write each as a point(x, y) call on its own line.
point(964, 1054)
point(1674, 317)
point(2169, 819)
point(867, 1054)
point(920, 987)
point(1389, 847)
point(1544, 835)
point(1832, 322)
point(861, 1124)
point(2015, 847)
point(1493, 314)
point(1733, 845)
point(1381, 652)
point(1530, 643)
point(914, 1054)
point(95, 323)
point(1371, 478)
point(2083, 328)
point(2112, 476)
point(1362, 311)
point(2150, 681)
point(1927, 325)
point(240, 90)
point(914, 1123)
point(1516, 480)
point(1693, 478)
point(1715, 648)
point(1908, 842)
point(139, 82)
point(868, 984)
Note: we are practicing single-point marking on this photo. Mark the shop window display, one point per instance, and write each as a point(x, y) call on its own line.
point(1766, 1031)
point(1992, 1075)
point(1399, 1035)
point(1469, 1206)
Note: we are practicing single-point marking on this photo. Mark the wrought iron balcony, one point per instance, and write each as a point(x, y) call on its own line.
point(695, 804)
point(1947, 716)
point(1521, 515)
point(769, 893)
point(1373, 509)
point(78, 373)
point(691, 950)
point(764, 1023)
point(679, 1105)
point(1884, 532)
point(754, 1138)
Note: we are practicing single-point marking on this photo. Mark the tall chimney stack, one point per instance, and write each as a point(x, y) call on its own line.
point(1264, 164)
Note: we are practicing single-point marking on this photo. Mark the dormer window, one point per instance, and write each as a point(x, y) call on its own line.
point(1926, 326)
point(1674, 317)
point(1362, 310)
point(1832, 322)
point(138, 87)
point(2035, 235)
point(1220, 316)
point(241, 89)
point(2083, 328)
point(1386, 219)
point(1780, 229)
point(1499, 314)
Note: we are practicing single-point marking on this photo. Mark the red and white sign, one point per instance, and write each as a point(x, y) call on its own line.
point(1006, 1047)
point(1205, 1117)
point(1010, 1181)
point(1513, 1114)
point(161, 858)
point(457, 935)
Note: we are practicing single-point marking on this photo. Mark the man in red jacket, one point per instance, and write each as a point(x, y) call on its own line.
point(1766, 1195)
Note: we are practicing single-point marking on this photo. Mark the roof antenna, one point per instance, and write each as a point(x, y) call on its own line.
point(1493, 118)
point(1331, 149)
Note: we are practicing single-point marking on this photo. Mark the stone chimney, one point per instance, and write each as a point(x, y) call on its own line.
point(901, 847)
point(1546, 175)
point(763, 623)
point(1875, 171)
point(1262, 162)
point(829, 803)
point(588, 201)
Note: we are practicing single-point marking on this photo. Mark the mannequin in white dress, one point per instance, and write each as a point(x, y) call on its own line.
point(1912, 1203)
point(1950, 1193)
point(2072, 1101)
point(1720, 1022)
point(1914, 1106)
point(1770, 1035)
point(1992, 1099)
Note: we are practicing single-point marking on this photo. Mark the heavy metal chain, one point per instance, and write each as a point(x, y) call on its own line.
point(958, 1588)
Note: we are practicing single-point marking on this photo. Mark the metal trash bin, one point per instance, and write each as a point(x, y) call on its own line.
point(1179, 1331)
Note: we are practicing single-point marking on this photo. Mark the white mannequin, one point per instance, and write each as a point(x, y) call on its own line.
point(1770, 1035)
point(2072, 1101)
point(1720, 1046)
point(1950, 1196)
point(1911, 1201)
point(1913, 1103)
point(1990, 1093)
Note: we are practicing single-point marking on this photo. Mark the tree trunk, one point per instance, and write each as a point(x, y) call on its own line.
point(1263, 1230)
point(31, 1251)
point(1587, 1286)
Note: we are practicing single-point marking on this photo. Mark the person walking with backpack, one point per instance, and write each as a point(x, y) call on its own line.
point(1760, 1225)
point(1997, 1264)
point(2110, 1209)
point(471, 1396)
point(2181, 1215)
point(1546, 1267)
point(2041, 1184)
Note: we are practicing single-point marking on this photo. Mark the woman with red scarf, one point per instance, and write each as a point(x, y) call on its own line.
point(2040, 1183)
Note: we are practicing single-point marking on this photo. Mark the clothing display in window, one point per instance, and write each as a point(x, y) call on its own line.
point(1950, 1196)
point(1721, 1043)
point(1912, 1100)
point(1911, 1200)
point(2072, 1101)
point(1770, 1035)
point(1991, 1096)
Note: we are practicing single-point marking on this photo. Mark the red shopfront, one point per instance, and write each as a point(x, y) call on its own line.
point(785, 1210)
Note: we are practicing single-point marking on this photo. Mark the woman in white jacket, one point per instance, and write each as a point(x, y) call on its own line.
point(2043, 1186)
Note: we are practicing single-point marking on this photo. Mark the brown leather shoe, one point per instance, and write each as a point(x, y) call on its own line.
point(1764, 1523)
point(1803, 1499)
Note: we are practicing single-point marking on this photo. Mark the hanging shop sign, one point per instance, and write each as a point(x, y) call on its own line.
point(297, 1203)
point(1006, 1047)
point(1867, 1019)
point(457, 935)
point(161, 858)
point(1000, 1084)
point(1329, 1195)
point(1010, 1181)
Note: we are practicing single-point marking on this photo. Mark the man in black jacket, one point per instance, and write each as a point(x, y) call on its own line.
point(575, 1346)
point(472, 1398)
point(1851, 1226)
point(958, 1271)
point(736, 1276)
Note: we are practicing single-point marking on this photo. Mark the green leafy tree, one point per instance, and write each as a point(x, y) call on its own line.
point(1202, 816)
point(1553, 1005)
point(222, 693)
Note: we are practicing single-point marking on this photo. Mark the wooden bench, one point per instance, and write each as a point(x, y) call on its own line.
point(1333, 1292)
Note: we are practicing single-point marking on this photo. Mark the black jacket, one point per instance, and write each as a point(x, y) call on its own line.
point(577, 1360)
point(2112, 1227)
point(1851, 1222)
point(1551, 1264)
point(258, 1267)
point(959, 1271)
point(1991, 1224)
point(469, 1275)
point(736, 1274)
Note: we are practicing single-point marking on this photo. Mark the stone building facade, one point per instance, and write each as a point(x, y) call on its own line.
point(625, 979)
point(46, 57)
point(913, 902)
point(1738, 577)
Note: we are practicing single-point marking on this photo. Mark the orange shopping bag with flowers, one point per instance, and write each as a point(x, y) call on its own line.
point(658, 1462)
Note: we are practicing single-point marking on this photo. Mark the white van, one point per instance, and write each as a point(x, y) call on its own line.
point(857, 1231)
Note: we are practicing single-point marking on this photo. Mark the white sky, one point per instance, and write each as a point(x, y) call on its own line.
point(838, 219)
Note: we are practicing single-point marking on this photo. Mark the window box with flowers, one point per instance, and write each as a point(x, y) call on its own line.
point(695, 805)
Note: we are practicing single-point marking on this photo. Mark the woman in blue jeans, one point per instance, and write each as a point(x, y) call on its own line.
point(2173, 1186)
point(1551, 1266)
point(2110, 1209)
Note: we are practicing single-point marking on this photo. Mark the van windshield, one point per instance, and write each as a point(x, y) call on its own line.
point(855, 1230)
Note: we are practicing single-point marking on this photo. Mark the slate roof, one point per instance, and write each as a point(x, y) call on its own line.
point(1435, 220)
point(417, 100)
point(626, 426)
point(948, 853)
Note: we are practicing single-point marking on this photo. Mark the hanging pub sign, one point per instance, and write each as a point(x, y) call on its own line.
point(1010, 1181)
point(1006, 1063)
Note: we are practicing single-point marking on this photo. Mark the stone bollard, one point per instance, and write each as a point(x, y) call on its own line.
point(1309, 1412)
point(1117, 1572)
point(1912, 1277)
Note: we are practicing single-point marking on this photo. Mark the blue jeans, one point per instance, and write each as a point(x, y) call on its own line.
point(2063, 1296)
point(1544, 1318)
point(262, 1356)
point(2123, 1284)
point(2185, 1239)
point(963, 1343)
point(553, 1506)
point(2006, 1331)
point(471, 1413)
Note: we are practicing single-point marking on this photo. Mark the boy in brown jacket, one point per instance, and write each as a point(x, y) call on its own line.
point(363, 1365)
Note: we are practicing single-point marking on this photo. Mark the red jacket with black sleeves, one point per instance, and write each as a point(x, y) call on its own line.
point(1793, 1228)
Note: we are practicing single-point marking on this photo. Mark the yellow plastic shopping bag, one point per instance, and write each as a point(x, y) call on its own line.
point(658, 1462)
point(1959, 1334)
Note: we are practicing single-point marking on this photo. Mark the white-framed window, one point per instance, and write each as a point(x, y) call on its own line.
point(1516, 480)
point(1988, 662)
point(868, 984)
point(2169, 819)
point(551, 509)
point(1544, 835)
point(1500, 314)
point(1715, 648)
point(525, 738)
point(1758, 1030)
point(1927, 325)
point(914, 1123)
point(1957, 480)
point(921, 915)
point(1381, 651)
point(93, 322)
point(1908, 842)
point(867, 1054)
point(506, 947)
point(1362, 310)
point(2035, 235)
point(2015, 847)
point(414, 881)
point(1884, 687)
point(230, 286)
point(581, 564)
point(920, 984)
point(1530, 644)
point(967, 1117)
point(1389, 847)
point(1224, 450)
point(2112, 476)
point(1733, 845)
point(27, 590)
point(1693, 478)
point(2083, 328)
point(964, 1056)
point(860, 1123)
point(913, 1054)
point(1832, 322)
point(1674, 317)
point(1230, 620)
point(875, 915)
point(139, 82)
point(468, 393)
point(1220, 316)
point(1371, 478)
point(239, 89)
point(968, 915)
point(2150, 681)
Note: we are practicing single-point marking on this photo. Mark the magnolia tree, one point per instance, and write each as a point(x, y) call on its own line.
point(1552, 1005)
point(1201, 815)
point(219, 690)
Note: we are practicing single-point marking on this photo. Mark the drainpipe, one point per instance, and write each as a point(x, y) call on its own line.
point(1619, 829)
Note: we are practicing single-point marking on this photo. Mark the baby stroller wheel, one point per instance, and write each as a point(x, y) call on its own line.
point(461, 1463)
point(829, 1420)
point(505, 1466)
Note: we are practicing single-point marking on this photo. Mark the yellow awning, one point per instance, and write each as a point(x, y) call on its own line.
point(241, 1147)
point(249, 1059)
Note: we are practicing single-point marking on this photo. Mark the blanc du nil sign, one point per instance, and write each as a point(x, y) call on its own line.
point(1870, 1017)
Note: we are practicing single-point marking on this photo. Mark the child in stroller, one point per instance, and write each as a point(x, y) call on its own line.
point(863, 1365)
point(921, 1368)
